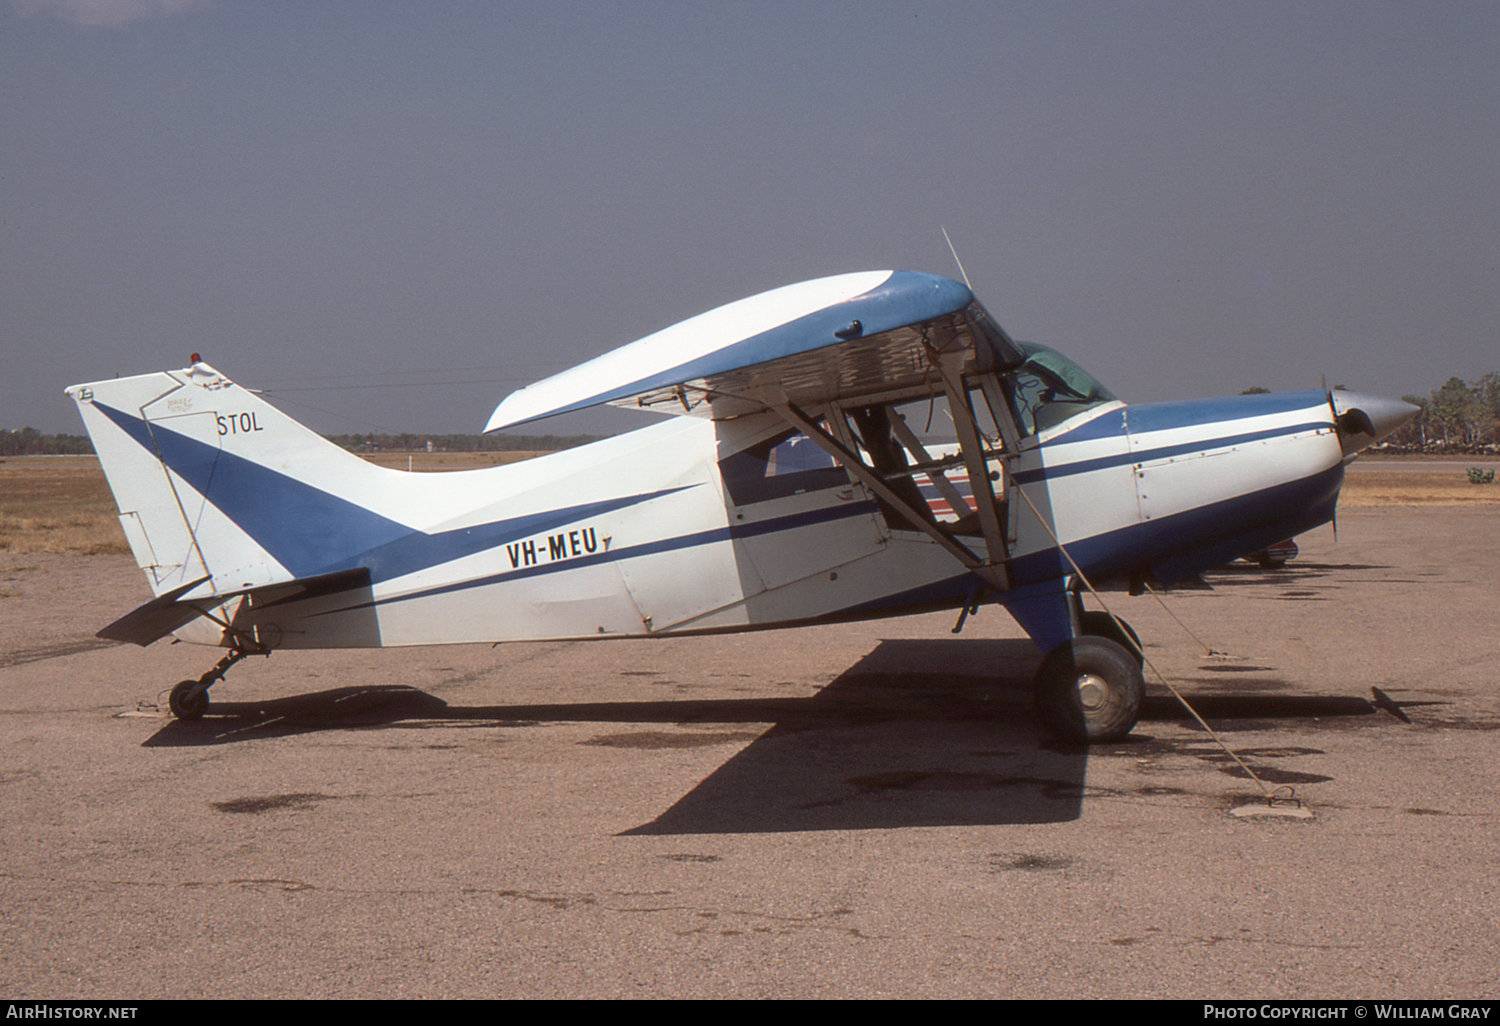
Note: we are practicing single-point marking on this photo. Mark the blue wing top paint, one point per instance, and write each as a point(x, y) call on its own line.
point(901, 299)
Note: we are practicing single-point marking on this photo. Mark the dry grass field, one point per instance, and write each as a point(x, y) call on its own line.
point(436, 462)
point(61, 504)
point(1375, 485)
point(58, 504)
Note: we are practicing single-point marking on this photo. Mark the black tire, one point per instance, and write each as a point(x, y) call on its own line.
point(1089, 689)
point(1101, 624)
point(185, 708)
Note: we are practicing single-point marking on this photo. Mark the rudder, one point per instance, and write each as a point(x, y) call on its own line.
point(214, 482)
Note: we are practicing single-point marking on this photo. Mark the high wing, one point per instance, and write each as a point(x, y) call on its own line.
point(805, 344)
point(872, 337)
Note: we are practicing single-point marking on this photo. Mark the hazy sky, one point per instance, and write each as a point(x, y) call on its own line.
point(391, 213)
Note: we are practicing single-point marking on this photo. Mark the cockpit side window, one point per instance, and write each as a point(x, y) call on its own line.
point(1048, 389)
point(786, 464)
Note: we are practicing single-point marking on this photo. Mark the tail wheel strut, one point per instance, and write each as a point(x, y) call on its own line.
point(189, 698)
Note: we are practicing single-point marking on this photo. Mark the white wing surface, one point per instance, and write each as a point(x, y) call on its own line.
point(813, 341)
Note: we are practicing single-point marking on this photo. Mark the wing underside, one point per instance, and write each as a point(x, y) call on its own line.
point(807, 344)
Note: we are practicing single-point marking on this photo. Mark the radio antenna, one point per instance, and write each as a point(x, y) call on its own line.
point(956, 260)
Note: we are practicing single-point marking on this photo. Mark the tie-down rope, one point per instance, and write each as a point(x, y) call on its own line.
point(1270, 794)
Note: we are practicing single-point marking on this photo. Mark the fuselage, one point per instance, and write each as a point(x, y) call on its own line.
point(661, 531)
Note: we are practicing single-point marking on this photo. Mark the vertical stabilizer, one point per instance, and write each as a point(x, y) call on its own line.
point(213, 482)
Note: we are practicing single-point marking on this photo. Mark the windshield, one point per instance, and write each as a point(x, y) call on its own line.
point(1048, 389)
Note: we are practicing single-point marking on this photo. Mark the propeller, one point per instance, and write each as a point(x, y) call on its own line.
point(1363, 420)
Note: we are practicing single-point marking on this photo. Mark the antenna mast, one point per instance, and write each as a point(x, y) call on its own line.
point(956, 260)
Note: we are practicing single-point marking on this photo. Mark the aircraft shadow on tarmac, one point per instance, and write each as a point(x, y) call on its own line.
point(1241, 575)
point(890, 742)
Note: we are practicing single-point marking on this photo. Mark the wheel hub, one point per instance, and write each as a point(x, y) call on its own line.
point(1093, 692)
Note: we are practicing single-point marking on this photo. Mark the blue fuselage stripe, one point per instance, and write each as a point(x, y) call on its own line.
point(1194, 446)
point(711, 536)
point(906, 297)
point(312, 532)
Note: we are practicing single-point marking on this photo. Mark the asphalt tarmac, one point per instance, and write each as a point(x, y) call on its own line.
point(865, 810)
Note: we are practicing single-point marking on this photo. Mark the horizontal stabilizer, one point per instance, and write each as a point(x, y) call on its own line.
point(156, 619)
point(166, 613)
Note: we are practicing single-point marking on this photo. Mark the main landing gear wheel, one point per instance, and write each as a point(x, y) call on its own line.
point(188, 700)
point(1089, 689)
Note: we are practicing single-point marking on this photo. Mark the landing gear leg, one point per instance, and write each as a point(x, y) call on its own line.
point(1101, 624)
point(1089, 689)
point(189, 698)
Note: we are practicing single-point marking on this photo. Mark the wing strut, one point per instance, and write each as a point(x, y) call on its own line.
point(934, 469)
point(970, 445)
point(992, 571)
point(871, 480)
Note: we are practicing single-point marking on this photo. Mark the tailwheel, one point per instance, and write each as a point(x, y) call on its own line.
point(1089, 689)
point(189, 700)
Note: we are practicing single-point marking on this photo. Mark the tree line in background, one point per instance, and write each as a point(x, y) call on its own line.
point(31, 442)
point(1459, 417)
point(409, 442)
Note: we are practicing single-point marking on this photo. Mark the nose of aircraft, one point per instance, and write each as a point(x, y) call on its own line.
point(1364, 420)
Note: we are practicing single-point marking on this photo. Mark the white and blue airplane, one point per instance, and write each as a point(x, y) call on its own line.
point(794, 488)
